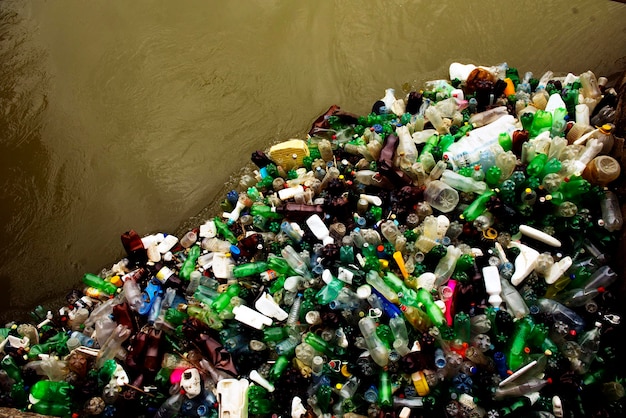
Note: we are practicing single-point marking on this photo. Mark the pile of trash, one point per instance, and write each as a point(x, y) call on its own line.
point(450, 254)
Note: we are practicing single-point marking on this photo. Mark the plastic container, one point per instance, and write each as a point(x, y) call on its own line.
point(441, 196)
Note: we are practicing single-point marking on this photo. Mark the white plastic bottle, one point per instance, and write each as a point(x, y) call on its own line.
point(319, 229)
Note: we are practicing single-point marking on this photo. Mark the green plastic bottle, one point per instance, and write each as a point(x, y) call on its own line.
point(428, 147)
point(281, 364)
point(492, 176)
point(318, 343)
point(570, 97)
point(542, 121)
point(430, 307)
point(552, 166)
point(527, 120)
point(56, 343)
point(384, 389)
point(574, 188)
point(224, 231)
point(13, 370)
point(259, 406)
point(330, 291)
point(51, 408)
point(478, 206)
point(189, 265)
point(224, 299)
point(536, 165)
point(99, 283)
point(279, 265)
point(445, 141)
point(324, 394)
point(47, 390)
point(175, 316)
point(558, 122)
point(250, 269)
point(206, 316)
point(265, 211)
point(505, 141)
point(515, 356)
point(19, 395)
point(274, 334)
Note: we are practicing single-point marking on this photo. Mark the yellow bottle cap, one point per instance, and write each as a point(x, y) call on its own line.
point(606, 128)
point(117, 281)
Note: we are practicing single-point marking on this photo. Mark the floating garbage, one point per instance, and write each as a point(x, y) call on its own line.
point(453, 253)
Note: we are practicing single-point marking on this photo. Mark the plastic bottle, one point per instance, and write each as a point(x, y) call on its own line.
point(295, 261)
point(435, 117)
point(188, 239)
point(51, 408)
point(488, 116)
point(189, 265)
point(378, 351)
point(589, 343)
point(406, 152)
point(384, 389)
point(250, 269)
point(462, 183)
point(319, 229)
point(513, 299)
point(582, 114)
point(602, 170)
point(574, 298)
point(133, 294)
point(467, 150)
point(99, 283)
point(331, 290)
point(559, 312)
point(603, 277)
point(542, 122)
point(533, 385)
point(589, 83)
point(224, 231)
point(46, 390)
point(446, 265)
point(171, 406)
point(441, 196)
point(478, 206)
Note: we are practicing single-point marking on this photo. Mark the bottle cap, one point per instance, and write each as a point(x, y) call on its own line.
point(117, 281)
point(606, 128)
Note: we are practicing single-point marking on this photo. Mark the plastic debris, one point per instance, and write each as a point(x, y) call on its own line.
point(450, 254)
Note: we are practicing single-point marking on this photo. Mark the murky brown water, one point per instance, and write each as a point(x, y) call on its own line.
point(117, 115)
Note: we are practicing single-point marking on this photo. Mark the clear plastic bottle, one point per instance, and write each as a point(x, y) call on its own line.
point(171, 407)
point(435, 117)
point(441, 196)
point(406, 152)
point(602, 277)
point(390, 231)
point(611, 212)
point(189, 239)
point(378, 351)
point(589, 83)
point(513, 299)
point(446, 265)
